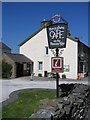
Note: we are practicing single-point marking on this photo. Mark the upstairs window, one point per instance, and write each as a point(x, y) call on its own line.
point(46, 50)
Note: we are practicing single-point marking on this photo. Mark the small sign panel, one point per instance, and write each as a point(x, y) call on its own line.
point(57, 34)
point(57, 64)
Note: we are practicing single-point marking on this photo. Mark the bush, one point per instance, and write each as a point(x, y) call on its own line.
point(6, 70)
point(40, 75)
point(63, 76)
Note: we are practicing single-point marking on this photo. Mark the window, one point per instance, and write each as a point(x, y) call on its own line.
point(66, 68)
point(81, 67)
point(28, 66)
point(25, 66)
point(40, 65)
point(46, 50)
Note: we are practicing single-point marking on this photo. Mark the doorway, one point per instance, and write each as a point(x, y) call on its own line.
point(19, 70)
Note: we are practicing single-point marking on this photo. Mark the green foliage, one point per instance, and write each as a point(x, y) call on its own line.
point(27, 102)
point(6, 70)
point(63, 76)
point(39, 75)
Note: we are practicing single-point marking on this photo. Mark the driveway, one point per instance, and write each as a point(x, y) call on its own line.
point(8, 86)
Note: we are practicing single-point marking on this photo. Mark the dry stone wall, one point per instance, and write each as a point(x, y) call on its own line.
point(72, 105)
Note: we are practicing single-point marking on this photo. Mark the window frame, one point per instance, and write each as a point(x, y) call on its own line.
point(46, 50)
point(40, 65)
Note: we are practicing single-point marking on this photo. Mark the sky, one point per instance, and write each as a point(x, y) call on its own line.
point(21, 19)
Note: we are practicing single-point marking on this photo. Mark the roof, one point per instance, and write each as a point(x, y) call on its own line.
point(4, 46)
point(37, 31)
point(18, 57)
point(73, 38)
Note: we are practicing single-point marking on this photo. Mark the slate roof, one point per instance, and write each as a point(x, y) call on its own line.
point(4, 46)
point(19, 57)
point(37, 31)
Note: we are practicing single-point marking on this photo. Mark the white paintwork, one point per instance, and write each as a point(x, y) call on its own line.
point(70, 58)
point(35, 50)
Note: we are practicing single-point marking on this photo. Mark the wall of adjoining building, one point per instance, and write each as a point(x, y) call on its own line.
point(83, 59)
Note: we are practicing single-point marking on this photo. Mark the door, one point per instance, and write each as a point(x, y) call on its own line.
point(19, 70)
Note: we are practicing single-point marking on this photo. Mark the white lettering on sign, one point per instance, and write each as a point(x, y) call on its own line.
point(57, 43)
point(56, 63)
point(57, 28)
point(56, 34)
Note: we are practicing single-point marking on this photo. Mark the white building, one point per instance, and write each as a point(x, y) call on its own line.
point(36, 48)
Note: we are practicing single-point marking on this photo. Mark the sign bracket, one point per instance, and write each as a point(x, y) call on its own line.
point(59, 52)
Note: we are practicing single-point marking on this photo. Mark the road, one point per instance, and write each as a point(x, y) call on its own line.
point(9, 86)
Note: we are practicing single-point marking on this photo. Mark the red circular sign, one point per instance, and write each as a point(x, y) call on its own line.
point(58, 18)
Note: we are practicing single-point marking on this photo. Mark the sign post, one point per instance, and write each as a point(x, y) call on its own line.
point(57, 34)
point(57, 77)
point(57, 67)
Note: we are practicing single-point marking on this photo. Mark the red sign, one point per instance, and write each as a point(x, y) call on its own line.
point(56, 16)
point(57, 64)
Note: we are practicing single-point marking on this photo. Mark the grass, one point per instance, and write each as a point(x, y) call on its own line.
point(27, 102)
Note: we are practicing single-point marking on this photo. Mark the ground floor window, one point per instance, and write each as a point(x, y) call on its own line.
point(83, 66)
point(25, 66)
point(40, 65)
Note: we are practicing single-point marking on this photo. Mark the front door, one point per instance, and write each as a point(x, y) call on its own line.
point(19, 70)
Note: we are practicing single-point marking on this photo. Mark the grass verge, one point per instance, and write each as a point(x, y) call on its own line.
point(27, 102)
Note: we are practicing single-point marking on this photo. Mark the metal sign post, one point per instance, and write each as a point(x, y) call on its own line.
point(57, 67)
point(57, 34)
point(57, 77)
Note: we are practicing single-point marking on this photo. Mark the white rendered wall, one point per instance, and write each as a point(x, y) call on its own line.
point(35, 50)
point(70, 58)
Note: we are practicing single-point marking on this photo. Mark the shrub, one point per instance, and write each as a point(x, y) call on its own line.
point(63, 76)
point(6, 70)
point(40, 75)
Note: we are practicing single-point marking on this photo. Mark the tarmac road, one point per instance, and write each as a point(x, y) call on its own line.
point(9, 86)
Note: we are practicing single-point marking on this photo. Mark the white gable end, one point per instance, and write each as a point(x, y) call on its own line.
point(35, 50)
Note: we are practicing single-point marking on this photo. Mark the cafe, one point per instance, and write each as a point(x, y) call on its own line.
point(40, 49)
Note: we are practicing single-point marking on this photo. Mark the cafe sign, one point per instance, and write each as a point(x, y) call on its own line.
point(57, 34)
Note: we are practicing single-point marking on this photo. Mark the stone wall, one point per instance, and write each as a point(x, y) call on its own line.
point(72, 105)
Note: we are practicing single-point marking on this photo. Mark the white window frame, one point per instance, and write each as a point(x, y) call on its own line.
point(40, 65)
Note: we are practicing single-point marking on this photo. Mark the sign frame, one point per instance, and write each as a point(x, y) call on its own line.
point(59, 68)
point(57, 35)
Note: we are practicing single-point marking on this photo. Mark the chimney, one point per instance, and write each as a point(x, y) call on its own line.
point(46, 23)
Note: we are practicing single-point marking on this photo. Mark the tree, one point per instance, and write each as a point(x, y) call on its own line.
point(6, 69)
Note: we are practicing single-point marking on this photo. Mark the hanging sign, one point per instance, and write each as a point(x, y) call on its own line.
point(57, 34)
point(57, 64)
